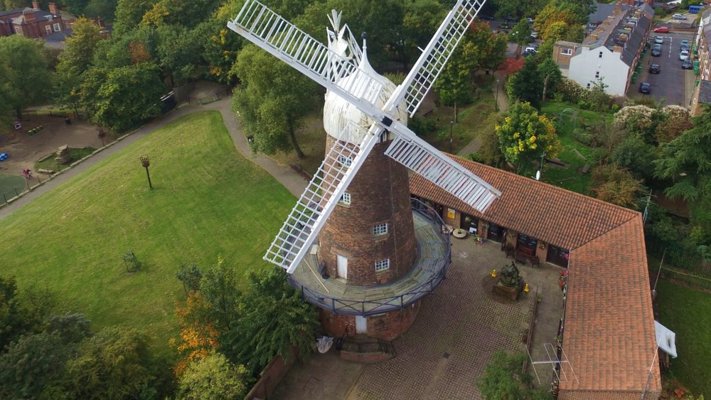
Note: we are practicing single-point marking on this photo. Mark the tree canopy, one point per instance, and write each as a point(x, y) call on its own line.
point(26, 78)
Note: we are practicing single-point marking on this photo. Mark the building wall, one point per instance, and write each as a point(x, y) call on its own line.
point(611, 69)
point(561, 58)
point(387, 326)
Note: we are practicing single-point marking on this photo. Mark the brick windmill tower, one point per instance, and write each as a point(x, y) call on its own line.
point(353, 244)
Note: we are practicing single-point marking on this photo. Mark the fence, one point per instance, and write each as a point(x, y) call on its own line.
point(689, 279)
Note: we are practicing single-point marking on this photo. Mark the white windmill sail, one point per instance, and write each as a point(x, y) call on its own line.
point(337, 73)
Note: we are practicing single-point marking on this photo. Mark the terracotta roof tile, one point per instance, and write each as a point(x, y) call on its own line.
point(563, 218)
point(609, 324)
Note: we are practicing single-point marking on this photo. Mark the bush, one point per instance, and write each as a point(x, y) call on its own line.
point(583, 136)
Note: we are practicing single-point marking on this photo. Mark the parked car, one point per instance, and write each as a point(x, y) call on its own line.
point(529, 51)
point(657, 50)
point(661, 29)
point(684, 45)
point(684, 55)
point(658, 40)
point(687, 64)
point(534, 34)
point(645, 88)
point(681, 17)
point(655, 69)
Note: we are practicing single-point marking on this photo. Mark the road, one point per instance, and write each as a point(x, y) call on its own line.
point(669, 86)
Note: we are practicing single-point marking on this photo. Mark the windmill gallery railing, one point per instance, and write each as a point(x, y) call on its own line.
point(435, 264)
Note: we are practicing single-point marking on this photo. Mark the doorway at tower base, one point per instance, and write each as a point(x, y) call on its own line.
point(387, 326)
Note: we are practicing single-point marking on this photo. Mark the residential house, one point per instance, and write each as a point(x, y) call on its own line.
point(702, 92)
point(33, 22)
point(607, 329)
point(611, 52)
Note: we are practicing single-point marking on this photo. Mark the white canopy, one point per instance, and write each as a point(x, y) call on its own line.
point(666, 339)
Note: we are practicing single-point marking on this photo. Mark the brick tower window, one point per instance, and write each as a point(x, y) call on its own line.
point(382, 265)
point(345, 199)
point(380, 229)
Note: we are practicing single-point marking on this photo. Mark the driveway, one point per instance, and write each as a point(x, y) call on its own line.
point(458, 329)
point(669, 86)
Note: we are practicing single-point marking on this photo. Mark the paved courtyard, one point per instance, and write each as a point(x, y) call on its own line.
point(458, 329)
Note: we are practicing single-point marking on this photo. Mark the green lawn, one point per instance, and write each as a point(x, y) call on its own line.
point(575, 155)
point(10, 186)
point(208, 202)
point(75, 154)
point(688, 314)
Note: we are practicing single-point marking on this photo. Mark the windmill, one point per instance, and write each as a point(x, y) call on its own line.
point(375, 257)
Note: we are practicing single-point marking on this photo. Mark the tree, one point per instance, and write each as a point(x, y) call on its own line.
point(213, 378)
point(219, 289)
point(113, 364)
point(26, 72)
point(634, 154)
point(129, 14)
point(75, 60)
point(421, 19)
point(272, 100)
point(504, 379)
point(676, 121)
point(616, 185)
point(551, 75)
point(686, 162)
point(454, 84)
point(16, 318)
point(190, 276)
point(520, 34)
point(34, 367)
point(526, 85)
point(103, 9)
point(186, 13)
point(275, 322)
point(180, 52)
point(490, 47)
point(119, 104)
point(198, 336)
point(525, 137)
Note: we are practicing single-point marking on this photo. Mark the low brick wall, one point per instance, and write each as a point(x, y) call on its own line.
point(271, 375)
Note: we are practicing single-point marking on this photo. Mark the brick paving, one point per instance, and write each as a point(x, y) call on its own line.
point(458, 329)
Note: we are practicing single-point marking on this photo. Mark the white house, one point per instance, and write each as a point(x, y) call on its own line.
point(610, 52)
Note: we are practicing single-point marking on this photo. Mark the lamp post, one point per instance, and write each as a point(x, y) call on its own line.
point(146, 162)
point(451, 124)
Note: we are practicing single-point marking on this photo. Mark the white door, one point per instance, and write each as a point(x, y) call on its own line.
point(361, 324)
point(342, 266)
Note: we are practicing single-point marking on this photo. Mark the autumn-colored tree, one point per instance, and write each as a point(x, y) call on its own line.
point(198, 337)
point(616, 185)
point(525, 137)
point(213, 377)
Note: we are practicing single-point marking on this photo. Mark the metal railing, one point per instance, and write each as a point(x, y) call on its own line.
point(345, 306)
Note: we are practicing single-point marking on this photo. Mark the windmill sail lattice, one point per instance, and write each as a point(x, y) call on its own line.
point(342, 75)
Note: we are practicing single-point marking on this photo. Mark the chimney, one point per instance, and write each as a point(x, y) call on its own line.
point(53, 8)
point(35, 5)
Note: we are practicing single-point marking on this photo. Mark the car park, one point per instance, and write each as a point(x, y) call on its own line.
point(655, 69)
point(684, 55)
point(645, 88)
point(657, 50)
point(658, 40)
point(661, 29)
point(687, 64)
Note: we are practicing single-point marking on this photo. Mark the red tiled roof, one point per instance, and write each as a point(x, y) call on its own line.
point(609, 324)
point(560, 217)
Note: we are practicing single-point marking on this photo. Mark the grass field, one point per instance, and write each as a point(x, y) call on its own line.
point(50, 163)
point(575, 155)
point(688, 314)
point(207, 202)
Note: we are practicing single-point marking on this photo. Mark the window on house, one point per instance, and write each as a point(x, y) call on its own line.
point(380, 229)
point(597, 74)
point(382, 265)
point(566, 51)
point(588, 86)
point(48, 29)
point(57, 27)
point(345, 161)
point(599, 55)
point(346, 199)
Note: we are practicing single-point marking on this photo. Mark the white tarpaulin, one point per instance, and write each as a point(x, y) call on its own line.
point(666, 339)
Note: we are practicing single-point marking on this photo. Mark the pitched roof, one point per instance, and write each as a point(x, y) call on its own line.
point(609, 335)
point(563, 218)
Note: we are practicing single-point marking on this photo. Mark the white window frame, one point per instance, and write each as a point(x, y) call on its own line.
point(48, 29)
point(56, 27)
point(566, 51)
point(380, 229)
point(382, 265)
point(597, 74)
point(345, 199)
